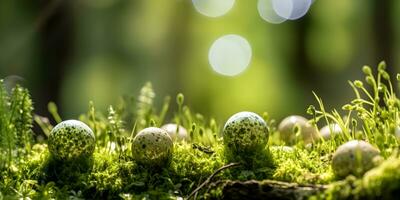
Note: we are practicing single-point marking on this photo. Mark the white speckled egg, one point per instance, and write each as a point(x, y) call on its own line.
point(354, 157)
point(327, 131)
point(287, 149)
point(287, 130)
point(245, 132)
point(153, 147)
point(71, 139)
point(175, 133)
point(397, 132)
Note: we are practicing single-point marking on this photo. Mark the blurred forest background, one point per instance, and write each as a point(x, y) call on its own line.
point(74, 51)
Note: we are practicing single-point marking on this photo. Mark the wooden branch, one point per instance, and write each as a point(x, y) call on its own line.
point(208, 180)
point(268, 189)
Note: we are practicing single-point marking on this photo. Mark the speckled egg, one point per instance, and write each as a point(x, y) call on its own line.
point(288, 129)
point(287, 149)
point(327, 131)
point(245, 132)
point(71, 139)
point(153, 147)
point(175, 133)
point(397, 132)
point(354, 157)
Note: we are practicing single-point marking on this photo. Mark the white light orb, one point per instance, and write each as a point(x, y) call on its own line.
point(267, 12)
point(213, 8)
point(283, 8)
point(230, 55)
point(291, 9)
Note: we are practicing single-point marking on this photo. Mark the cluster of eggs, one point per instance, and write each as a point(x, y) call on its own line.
point(354, 157)
point(72, 139)
point(244, 133)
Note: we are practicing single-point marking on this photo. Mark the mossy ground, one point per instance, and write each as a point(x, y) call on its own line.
point(29, 171)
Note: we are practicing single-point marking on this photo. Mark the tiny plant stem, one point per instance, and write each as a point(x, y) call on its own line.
point(376, 90)
point(52, 107)
point(188, 116)
point(93, 116)
point(364, 101)
point(164, 109)
point(133, 130)
point(321, 105)
point(355, 90)
point(43, 126)
point(368, 94)
point(179, 101)
point(391, 88)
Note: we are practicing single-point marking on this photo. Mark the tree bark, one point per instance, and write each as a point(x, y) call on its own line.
point(55, 27)
point(383, 33)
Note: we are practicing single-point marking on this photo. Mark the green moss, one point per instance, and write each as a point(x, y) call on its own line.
point(28, 170)
point(302, 166)
point(382, 182)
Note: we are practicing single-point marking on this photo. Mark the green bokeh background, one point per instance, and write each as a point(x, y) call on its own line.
point(74, 51)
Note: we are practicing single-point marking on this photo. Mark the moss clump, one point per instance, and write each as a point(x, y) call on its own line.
point(382, 182)
point(301, 166)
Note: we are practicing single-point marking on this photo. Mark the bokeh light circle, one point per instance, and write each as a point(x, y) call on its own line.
point(300, 8)
point(291, 9)
point(230, 55)
point(283, 8)
point(213, 8)
point(12, 81)
point(267, 12)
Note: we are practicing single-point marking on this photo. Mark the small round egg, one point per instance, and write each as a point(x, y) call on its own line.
point(71, 139)
point(245, 132)
point(326, 132)
point(287, 130)
point(286, 149)
point(175, 133)
point(397, 132)
point(354, 157)
point(153, 147)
